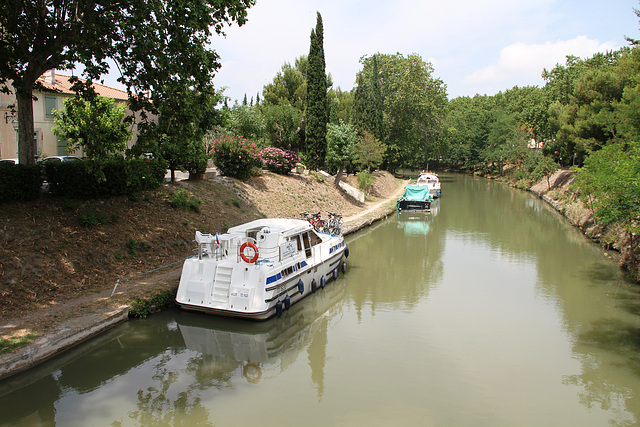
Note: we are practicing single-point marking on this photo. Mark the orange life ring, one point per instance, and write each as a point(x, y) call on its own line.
point(244, 257)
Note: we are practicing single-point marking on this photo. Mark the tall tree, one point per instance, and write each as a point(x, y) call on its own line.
point(155, 43)
point(413, 104)
point(316, 113)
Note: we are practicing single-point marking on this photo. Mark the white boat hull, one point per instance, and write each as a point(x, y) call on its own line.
point(288, 266)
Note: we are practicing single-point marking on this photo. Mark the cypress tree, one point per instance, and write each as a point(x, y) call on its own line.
point(317, 114)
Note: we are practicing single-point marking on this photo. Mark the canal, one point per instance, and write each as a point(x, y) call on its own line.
point(491, 311)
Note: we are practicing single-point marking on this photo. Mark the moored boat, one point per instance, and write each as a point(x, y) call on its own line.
point(431, 181)
point(415, 198)
point(258, 269)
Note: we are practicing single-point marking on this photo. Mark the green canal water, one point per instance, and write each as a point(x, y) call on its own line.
point(491, 311)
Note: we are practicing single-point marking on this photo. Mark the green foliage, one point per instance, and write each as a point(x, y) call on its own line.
point(289, 86)
point(90, 216)
point(609, 183)
point(160, 49)
point(247, 121)
point(365, 180)
point(368, 101)
point(369, 151)
point(317, 115)
point(278, 160)
point(142, 307)
point(235, 156)
point(121, 177)
point(341, 140)
point(413, 106)
point(283, 125)
point(93, 124)
point(19, 182)
point(181, 198)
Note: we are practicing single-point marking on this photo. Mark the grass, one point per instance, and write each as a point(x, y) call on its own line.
point(10, 344)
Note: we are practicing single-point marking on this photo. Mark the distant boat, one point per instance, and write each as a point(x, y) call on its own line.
point(258, 269)
point(431, 181)
point(415, 198)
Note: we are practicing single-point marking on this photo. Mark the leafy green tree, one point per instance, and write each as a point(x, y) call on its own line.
point(369, 102)
point(247, 121)
point(609, 183)
point(178, 136)
point(468, 124)
point(369, 151)
point(341, 139)
point(544, 166)
point(155, 43)
point(283, 124)
point(289, 86)
point(316, 112)
point(94, 124)
point(413, 107)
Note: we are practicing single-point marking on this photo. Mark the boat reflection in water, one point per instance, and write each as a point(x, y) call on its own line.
point(258, 348)
point(170, 368)
point(415, 223)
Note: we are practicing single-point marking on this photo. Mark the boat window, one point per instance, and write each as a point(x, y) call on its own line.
point(314, 239)
point(287, 271)
point(253, 232)
point(307, 246)
point(296, 239)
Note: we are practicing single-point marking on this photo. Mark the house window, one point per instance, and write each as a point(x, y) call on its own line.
point(49, 106)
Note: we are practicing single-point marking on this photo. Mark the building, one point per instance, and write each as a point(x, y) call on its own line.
point(56, 89)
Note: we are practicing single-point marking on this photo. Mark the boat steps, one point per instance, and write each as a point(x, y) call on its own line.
point(221, 284)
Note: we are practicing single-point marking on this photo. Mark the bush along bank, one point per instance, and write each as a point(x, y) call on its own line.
point(557, 192)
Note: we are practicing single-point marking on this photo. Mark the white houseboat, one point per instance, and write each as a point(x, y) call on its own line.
point(431, 181)
point(258, 269)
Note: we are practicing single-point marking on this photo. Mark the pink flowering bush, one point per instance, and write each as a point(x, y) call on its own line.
point(235, 156)
point(278, 160)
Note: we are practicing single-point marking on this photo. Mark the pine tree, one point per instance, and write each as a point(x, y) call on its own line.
point(316, 114)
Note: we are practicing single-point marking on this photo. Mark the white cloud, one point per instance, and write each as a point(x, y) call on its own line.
point(522, 64)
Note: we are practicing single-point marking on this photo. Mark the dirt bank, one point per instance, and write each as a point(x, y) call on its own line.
point(60, 261)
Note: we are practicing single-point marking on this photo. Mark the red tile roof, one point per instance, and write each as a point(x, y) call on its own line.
point(62, 85)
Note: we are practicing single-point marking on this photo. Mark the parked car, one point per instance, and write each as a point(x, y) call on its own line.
point(14, 161)
point(56, 159)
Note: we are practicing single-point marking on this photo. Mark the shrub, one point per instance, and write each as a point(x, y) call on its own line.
point(113, 177)
point(278, 160)
point(235, 156)
point(183, 199)
point(142, 307)
point(365, 180)
point(19, 182)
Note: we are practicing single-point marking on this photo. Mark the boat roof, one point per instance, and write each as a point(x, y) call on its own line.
point(276, 225)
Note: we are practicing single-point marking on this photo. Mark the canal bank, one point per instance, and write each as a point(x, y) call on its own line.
point(557, 193)
point(79, 319)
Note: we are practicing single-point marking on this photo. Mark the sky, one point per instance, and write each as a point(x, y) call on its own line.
point(476, 47)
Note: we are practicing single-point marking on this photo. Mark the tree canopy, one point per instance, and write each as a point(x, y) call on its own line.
point(156, 44)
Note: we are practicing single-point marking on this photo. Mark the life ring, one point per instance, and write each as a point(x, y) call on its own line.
point(244, 257)
point(252, 372)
